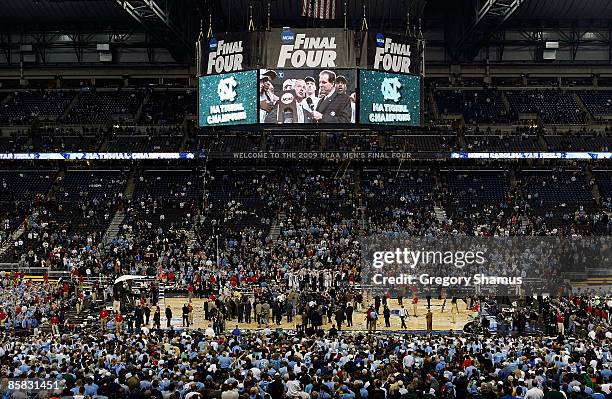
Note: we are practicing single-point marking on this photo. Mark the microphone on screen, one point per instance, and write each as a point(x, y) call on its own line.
point(310, 104)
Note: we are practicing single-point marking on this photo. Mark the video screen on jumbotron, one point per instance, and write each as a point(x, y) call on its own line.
point(389, 98)
point(307, 96)
point(228, 99)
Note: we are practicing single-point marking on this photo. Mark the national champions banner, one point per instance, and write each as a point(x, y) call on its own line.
point(223, 53)
point(228, 99)
point(390, 52)
point(389, 98)
point(308, 48)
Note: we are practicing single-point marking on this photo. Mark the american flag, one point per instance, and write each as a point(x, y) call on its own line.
point(321, 9)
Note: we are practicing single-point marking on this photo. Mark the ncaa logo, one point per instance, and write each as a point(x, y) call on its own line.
point(212, 44)
point(380, 40)
point(287, 98)
point(287, 37)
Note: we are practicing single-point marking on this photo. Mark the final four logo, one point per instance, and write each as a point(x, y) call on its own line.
point(300, 50)
point(224, 56)
point(391, 56)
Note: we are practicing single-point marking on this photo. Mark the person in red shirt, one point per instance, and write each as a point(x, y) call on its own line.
point(118, 323)
point(55, 324)
point(80, 302)
point(560, 323)
point(103, 318)
point(190, 291)
point(3, 317)
point(415, 301)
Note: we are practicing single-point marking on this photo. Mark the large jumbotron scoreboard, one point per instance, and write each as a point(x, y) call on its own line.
point(309, 76)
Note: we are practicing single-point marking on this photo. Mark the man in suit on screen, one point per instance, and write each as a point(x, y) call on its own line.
point(333, 107)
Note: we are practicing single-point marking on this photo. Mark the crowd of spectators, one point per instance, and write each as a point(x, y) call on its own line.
point(261, 245)
point(145, 360)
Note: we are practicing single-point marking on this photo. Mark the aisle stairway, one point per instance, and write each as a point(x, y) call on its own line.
point(14, 236)
point(114, 226)
point(440, 214)
point(275, 229)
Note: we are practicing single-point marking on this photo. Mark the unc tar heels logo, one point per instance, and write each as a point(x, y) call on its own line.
point(390, 89)
point(225, 89)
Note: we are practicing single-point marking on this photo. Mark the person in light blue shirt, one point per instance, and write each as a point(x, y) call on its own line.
point(498, 357)
point(598, 393)
point(606, 373)
point(440, 366)
point(224, 361)
point(91, 388)
point(346, 393)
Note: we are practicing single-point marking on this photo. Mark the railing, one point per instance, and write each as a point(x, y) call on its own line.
point(9, 266)
point(59, 273)
point(26, 269)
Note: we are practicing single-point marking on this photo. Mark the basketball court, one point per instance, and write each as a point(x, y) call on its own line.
point(442, 320)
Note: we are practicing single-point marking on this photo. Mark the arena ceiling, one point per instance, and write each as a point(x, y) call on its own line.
point(565, 10)
point(176, 23)
point(57, 12)
point(230, 14)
